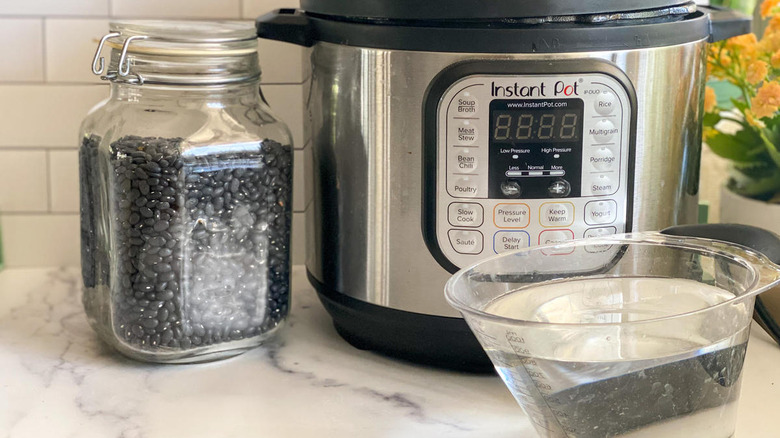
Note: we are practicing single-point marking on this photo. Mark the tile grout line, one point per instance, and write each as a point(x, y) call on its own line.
point(44, 63)
point(39, 213)
point(48, 181)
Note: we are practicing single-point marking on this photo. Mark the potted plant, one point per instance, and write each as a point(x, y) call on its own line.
point(745, 128)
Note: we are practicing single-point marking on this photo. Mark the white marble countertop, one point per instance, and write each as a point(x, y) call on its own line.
point(57, 379)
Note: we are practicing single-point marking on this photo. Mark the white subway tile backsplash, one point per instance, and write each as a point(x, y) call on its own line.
point(281, 63)
point(255, 8)
point(21, 50)
point(46, 89)
point(298, 239)
point(23, 181)
point(286, 101)
point(54, 7)
point(178, 9)
point(70, 47)
point(45, 115)
point(64, 181)
point(40, 240)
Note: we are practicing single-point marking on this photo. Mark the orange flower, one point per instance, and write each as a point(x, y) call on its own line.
point(771, 41)
point(768, 6)
point(742, 42)
point(773, 25)
point(710, 100)
point(767, 100)
point(752, 120)
point(756, 72)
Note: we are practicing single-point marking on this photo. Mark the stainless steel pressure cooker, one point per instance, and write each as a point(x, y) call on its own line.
point(447, 131)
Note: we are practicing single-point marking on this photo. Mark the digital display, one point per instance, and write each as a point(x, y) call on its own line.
point(535, 144)
point(537, 122)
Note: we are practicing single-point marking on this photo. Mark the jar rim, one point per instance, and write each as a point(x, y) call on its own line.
point(185, 37)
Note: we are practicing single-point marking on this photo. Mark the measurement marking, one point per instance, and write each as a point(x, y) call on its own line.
point(466, 118)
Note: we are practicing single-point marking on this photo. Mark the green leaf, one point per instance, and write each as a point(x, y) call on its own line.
point(745, 145)
point(711, 119)
point(741, 105)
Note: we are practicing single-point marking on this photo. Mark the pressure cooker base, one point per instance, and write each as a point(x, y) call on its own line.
point(439, 341)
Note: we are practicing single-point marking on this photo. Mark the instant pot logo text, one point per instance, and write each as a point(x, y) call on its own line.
point(559, 88)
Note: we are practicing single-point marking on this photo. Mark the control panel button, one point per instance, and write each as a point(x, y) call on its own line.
point(600, 212)
point(465, 132)
point(464, 160)
point(466, 241)
point(603, 131)
point(605, 103)
point(465, 187)
point(602, 158)
point(556, 214)
point(551, 237)
point(511, 189)
point(559, 188)
point(602, 185)
point(598, 232)
point(511, 215)
point(466, 214)
point(465, 104)
point(505, 241)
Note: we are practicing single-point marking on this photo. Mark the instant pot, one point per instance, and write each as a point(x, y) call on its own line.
point(444, 132)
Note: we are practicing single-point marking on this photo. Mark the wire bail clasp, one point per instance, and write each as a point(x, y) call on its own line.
point(98, 70)
point(123, 69)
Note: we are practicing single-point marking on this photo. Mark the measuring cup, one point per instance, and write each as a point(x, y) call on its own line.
point(635, 335)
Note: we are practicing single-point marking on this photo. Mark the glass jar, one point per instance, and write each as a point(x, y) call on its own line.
point(185, 195)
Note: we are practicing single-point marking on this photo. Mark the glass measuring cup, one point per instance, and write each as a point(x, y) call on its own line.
point(638, 335)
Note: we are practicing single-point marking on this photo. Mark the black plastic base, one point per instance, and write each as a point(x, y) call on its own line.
point(437, 341)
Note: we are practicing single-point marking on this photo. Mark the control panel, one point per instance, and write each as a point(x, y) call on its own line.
point(530, 159)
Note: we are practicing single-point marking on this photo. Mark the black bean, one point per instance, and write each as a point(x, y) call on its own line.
point(169, 207)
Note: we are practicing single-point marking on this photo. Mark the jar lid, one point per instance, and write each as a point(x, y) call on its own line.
point(205, 52)
point(185, 38)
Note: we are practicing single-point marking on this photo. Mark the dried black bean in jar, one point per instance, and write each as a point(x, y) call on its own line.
point(198, 262)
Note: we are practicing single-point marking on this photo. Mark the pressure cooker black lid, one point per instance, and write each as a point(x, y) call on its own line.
point(476, 9)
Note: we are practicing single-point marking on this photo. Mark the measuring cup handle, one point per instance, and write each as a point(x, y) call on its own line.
point(758, 239)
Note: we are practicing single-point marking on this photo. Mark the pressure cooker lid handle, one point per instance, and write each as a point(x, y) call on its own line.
point(287, 25)
point(726, 23)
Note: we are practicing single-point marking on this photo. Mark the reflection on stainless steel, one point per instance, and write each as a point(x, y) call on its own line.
point(365, 109)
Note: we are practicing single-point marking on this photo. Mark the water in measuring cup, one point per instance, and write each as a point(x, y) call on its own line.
point(600, 383)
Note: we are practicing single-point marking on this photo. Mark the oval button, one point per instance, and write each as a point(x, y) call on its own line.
point(605, 103)
point(556, 214)
point(603, 131)
point(465, 214)
point(466, 241)
point(600, 212)
point(464, 160)
point(464, 104)
point(603, 185)
point(602, 158)
point(511, 215)
point(465, 133)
